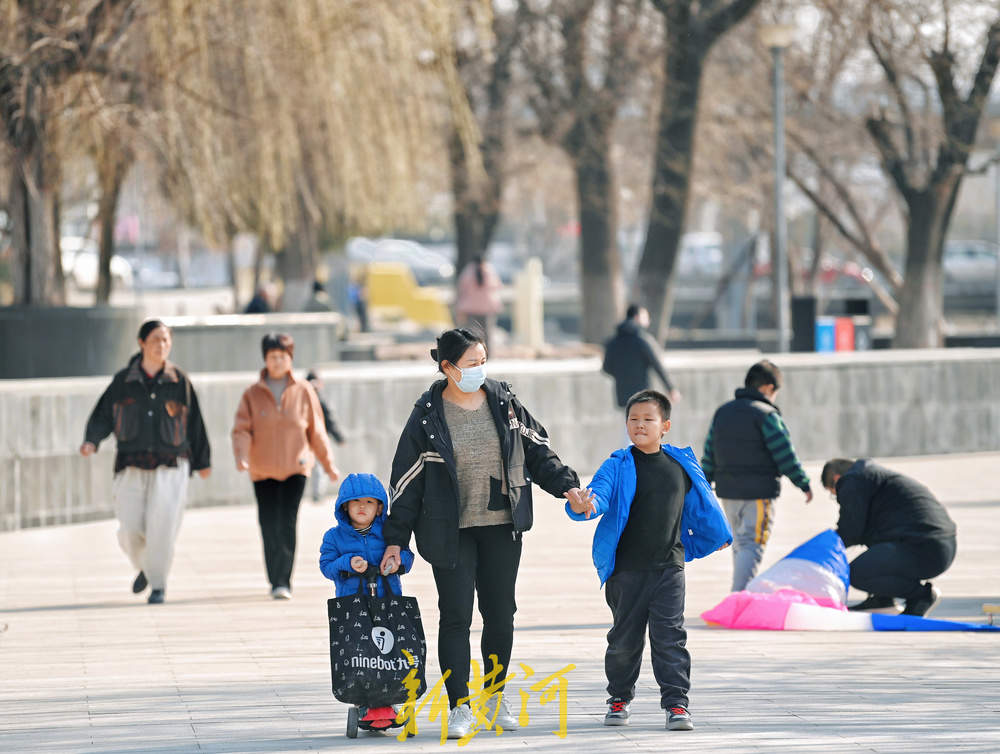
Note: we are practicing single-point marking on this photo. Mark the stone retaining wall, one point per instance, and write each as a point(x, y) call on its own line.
point(872, 404)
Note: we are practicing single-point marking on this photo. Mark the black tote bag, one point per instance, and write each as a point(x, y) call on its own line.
point(367, 638)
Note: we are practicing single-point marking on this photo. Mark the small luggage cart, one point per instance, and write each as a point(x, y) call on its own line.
point(360, 715)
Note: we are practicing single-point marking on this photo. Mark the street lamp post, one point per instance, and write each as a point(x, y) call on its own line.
point(777, 37)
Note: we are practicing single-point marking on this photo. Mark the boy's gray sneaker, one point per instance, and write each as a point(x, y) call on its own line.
point(678, 718)
point(618, 711)
point(281, 593)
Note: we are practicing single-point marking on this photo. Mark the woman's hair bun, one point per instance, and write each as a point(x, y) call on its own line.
point(434, 354)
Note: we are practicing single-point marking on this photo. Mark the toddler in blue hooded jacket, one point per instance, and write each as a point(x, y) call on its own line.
point(356, 541)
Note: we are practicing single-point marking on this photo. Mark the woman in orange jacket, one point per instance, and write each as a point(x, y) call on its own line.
point(278, 435)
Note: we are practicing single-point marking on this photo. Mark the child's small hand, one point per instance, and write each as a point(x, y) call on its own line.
point(581, 502)
point(359, 564)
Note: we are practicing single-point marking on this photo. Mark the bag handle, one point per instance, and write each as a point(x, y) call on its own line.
point(370, 579)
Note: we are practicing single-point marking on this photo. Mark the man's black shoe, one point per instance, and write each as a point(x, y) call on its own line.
point(140, 583)
point(923, 604)
point(874, 602)
point(155, 597)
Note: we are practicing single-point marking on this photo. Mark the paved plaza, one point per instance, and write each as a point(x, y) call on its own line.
point(220, 667)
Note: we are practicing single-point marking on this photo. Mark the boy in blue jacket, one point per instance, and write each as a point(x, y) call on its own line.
point(660, 511)
point(356, 541)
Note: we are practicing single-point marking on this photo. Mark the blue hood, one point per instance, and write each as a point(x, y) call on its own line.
point(356, 486)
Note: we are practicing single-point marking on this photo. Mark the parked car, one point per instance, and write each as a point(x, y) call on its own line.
point(428, 267)
point(970, 267)
point(80, 262)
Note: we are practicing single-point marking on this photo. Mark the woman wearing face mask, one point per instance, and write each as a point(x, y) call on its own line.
point(461, 483)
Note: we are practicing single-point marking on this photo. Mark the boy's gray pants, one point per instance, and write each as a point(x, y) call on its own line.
point(751, 521)
point(149, 505)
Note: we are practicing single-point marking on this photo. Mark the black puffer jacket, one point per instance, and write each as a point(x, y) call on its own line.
point(880, 505)
point(423, 491)
point(628, 357)
point(164, 419)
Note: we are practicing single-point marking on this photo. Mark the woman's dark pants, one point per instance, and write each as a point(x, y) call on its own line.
point(488, 559)
point(277, 512)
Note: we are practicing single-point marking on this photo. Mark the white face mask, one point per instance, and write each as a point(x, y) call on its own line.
point(472, 378)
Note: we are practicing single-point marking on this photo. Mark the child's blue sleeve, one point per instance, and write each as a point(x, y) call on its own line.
point(406, 558)
point(602, 485)
point(331, 560)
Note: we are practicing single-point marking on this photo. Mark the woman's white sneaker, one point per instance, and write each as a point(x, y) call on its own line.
point(504, 717)
point(460, 721)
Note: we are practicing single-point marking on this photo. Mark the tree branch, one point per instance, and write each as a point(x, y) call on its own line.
point(892, 76)
point(983, 81)
point(892, 161)
point(719, 21)
point(874, 255)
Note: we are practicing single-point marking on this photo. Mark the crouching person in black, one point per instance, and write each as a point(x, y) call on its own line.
point(909, 535)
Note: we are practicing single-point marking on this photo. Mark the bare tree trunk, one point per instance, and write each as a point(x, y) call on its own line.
point(233, 271)
point(297, 263)
point(35, 239)
point(263, 247)
point(470, 221)
point(815, 265)
point(60, 274)
point(921, 301)
point(602, 286)
point(112, 168)
point(671, 180)
point(477, 201)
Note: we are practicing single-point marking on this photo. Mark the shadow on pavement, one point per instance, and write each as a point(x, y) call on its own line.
point(234, 599)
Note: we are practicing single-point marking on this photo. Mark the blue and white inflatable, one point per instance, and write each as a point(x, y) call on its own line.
point(807, 591)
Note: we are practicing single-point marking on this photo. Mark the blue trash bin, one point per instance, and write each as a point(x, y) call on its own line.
point(826, 334)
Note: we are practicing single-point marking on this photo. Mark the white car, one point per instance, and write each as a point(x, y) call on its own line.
point(428, 267)
point(80, 258)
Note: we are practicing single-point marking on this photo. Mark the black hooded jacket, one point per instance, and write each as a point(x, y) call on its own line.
point(628, 357)
point(423, 486)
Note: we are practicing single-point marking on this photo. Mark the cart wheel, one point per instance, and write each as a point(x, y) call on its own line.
point(352, 722)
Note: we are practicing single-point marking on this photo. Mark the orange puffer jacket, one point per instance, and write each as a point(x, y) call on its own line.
point(279, 441)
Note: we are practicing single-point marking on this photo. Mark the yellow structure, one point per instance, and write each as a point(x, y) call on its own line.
point(393, 293)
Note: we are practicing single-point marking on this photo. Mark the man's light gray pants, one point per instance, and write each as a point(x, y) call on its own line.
point(751, 521)
point(149, 505)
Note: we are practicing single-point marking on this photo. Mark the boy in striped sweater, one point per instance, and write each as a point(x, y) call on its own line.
point(747, 451)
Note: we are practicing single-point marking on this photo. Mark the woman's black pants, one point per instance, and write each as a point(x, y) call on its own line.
point(488, 559)
point(277, 512)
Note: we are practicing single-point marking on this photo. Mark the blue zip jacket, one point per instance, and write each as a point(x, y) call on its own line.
point(343, 542)
point(704, 528)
